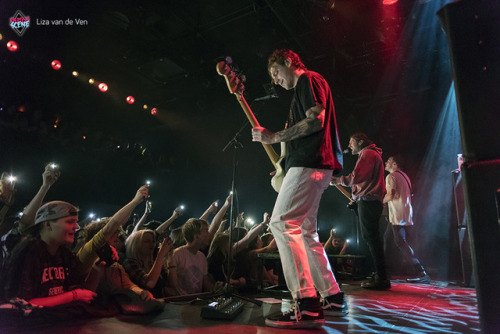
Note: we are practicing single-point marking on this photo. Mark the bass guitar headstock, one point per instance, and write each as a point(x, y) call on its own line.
point(234, 78)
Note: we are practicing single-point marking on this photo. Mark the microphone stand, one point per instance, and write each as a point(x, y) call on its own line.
point(228, 291)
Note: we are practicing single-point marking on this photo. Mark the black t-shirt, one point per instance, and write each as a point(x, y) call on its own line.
point(45, 275)
point(320, 149)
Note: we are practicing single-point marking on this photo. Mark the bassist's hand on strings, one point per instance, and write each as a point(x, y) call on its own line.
point(263, 135)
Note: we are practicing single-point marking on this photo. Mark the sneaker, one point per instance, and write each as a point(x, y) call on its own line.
point(335, 305)
point(305, 313)
point(375, 283)
point(422, 278)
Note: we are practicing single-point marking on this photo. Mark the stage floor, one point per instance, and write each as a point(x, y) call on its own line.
point(406, 308)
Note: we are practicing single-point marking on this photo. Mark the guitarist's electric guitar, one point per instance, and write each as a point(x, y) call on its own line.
point(235, 84)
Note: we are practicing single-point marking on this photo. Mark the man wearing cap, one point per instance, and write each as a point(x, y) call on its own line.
point(43, 271)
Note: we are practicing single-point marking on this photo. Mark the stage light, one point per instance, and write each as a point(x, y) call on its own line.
point(75, 73)
point(389, 2)
point(56, 64)
point(148, 182)
point(182, 207)
point(1, 37)
point(84, 137)
point(103, 87)
point(250, 221)
point(145, 107)
point(91, 81)
point(21, 109)
point(12, 178)
point(91, 215)
point(12, 46)
point(130, 99)
point(154, 111)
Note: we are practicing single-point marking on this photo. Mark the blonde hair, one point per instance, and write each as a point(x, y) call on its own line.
point(193, 227)
point(133, 246)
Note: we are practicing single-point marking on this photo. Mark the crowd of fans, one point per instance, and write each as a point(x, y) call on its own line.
point(49, 260)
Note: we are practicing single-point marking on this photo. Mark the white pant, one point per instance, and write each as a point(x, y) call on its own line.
point(293, 223)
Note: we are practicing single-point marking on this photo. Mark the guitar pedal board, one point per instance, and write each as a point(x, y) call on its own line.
point(225, 308)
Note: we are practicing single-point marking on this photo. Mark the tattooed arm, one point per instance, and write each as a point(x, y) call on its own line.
point(312, 123)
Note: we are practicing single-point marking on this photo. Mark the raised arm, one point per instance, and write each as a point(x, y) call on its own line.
point(154, 274)
point(7, 198)
point(216, 222)
point(177, 212)
point(49, 176)
point(252, 234)
point(328, 243)
point(141, 221)
point(121, 217)
point(211, 209)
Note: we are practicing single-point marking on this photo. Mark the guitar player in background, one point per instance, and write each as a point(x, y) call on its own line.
point(313, 155)
point(398, 199)
point(368, 191)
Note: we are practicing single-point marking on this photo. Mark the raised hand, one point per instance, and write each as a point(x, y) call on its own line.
point(177, 212)
point(50, 175)
point(166, 247)
point(228, 200)
point(214, 206)
point(267, 218)
point(141, 194)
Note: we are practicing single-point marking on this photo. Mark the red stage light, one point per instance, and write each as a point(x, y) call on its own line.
point(389, 2)
point(130, 99)
point(154, 111)
point(103, 87)
point(56, 65)
point(12, 46)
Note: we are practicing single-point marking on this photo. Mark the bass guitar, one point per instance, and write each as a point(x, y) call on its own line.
point(235, 85)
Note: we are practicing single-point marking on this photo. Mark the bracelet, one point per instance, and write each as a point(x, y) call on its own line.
point(75, 294)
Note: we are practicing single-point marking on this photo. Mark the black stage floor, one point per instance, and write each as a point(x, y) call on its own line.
point(407, 308)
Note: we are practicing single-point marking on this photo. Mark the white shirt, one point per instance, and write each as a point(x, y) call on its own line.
point(400, 209)
point(191, 268)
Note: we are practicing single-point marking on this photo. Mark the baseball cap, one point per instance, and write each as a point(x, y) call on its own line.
point(55, 210)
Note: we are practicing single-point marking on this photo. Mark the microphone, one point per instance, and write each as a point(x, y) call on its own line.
point(267, 97)
point(345, 151)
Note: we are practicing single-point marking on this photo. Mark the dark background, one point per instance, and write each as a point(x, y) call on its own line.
point(388, 67)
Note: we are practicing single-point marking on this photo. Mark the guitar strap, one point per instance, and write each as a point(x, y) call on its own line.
point(406, 179)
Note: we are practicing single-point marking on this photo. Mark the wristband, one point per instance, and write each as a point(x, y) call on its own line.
point(75, 294)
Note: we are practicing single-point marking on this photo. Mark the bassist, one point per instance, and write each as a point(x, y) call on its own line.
point(313, 155)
